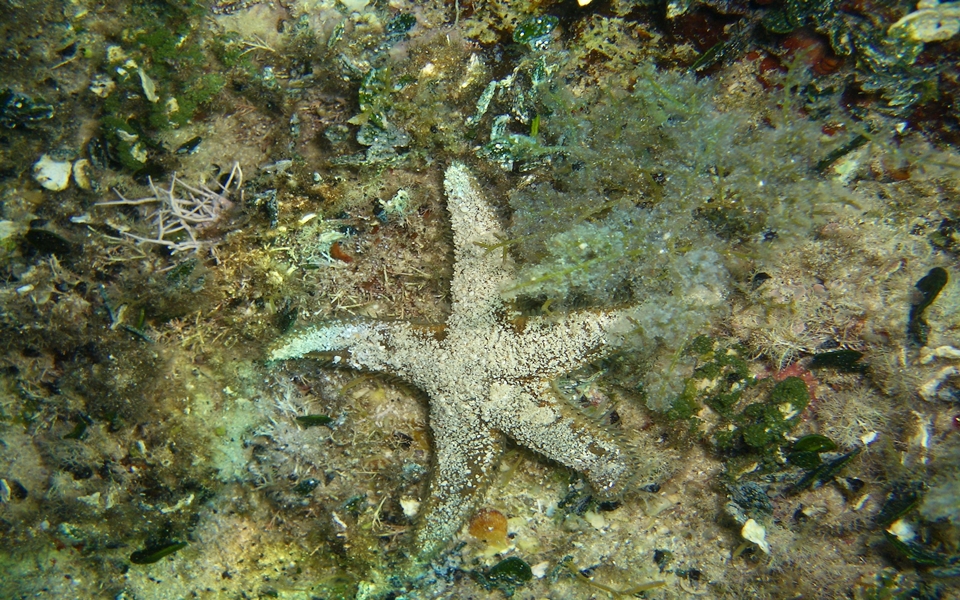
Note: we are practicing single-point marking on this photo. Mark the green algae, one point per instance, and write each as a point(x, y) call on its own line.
point(314, 420)
point(532, 31)
point(506, 576)
point(156, 552)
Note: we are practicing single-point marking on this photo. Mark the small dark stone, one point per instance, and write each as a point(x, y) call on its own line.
point(853, 484)
point(841, 360)
point(929, 288)
point(80, 472)
point(614, 417)
point(286, 317)
point(662, 557)
point(306, 486)
point(47, 242)
point(68, 52)
point(758, 280)
point(403, 439)
point(190, 146)
point(17, 491)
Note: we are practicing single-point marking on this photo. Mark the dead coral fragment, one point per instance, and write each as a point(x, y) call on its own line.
point(182, 212)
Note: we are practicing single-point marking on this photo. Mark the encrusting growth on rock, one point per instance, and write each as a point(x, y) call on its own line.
point(484, 379)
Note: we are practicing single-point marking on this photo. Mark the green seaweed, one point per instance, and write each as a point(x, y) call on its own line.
point(762, 425)
point(314, 420)
point(822, 474)
point(805, 452)
point(902, 498)
point(506, 576)
point(156, 552)
point(917, 553)
point(79, 431)
point(814, 443)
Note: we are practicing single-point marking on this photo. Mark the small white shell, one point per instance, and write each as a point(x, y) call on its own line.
point(756, 533)
point(52, 174)
point(81, 174)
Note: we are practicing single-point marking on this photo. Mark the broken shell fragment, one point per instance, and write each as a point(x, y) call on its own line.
point(52, 174)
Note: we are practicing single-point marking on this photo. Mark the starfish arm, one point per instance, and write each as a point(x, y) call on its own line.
point(358, 344)
point(549, 347)
point(466, 454)
point(478, 273)
point(559, 433)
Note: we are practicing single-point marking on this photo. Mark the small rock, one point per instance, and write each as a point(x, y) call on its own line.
point(52, 174)
point(410, 507)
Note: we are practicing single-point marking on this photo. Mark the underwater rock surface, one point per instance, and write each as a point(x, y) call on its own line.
point(704, 341)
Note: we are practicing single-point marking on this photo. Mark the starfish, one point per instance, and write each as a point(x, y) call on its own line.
point(485, 379)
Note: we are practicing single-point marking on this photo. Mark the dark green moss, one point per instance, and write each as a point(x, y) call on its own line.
point(684, 406)
point(805, 452)
point(762, 426)
point(702, 345)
